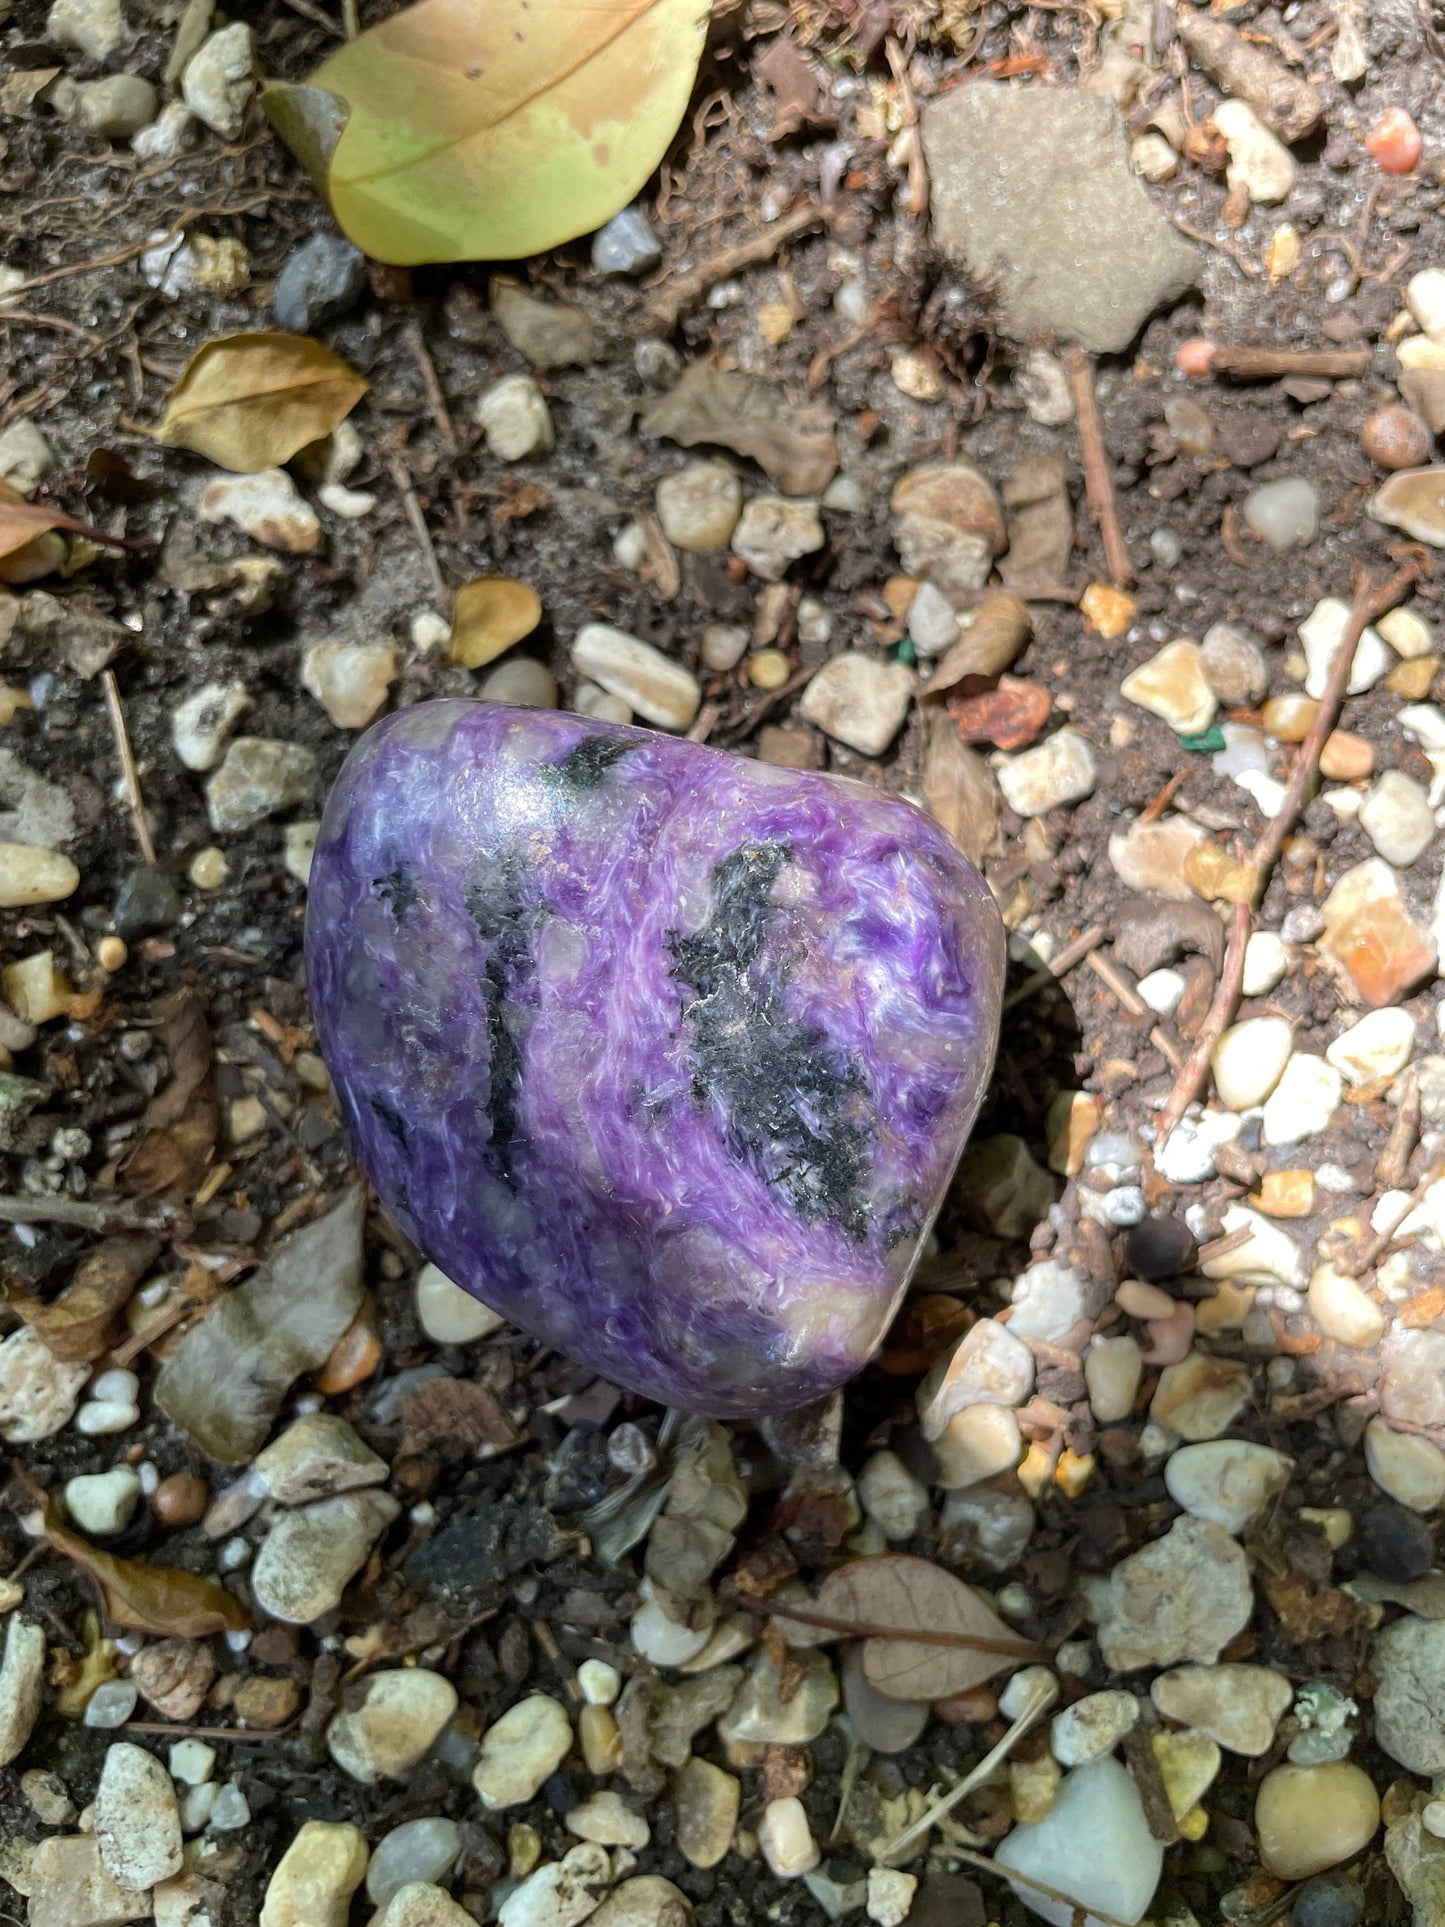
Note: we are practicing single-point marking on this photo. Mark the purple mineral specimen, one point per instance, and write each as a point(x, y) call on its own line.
point(666, 1054)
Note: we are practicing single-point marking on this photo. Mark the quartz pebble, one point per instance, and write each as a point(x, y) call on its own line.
point(112, 1703)
point(259, 777)
point(22, 1675)
point(1343, 1310)
point(202, 724)
point(26, 457)
point(1238, 1706)
point(649, 682)
point(860, 700)
point(699, 506)
point(316, 1877)
point(1201, 1396)
point(1258, 162)
point(450, 1316)
point(103, 1502)
point(137, 1823)
point(1381, 1044)
point(626, 244)
point(98, 28)
point(605, 1818)
point(420, 1903)
point(1113, 1368)
point(786, 1839)
point(1249, 1060)
point(520, 1751)
point(349, 679)
point(1172, 685)
point(1057, 771)
point(266, 506)
point(1397, 818)
point(977, 1443)
point(1093, 1845)
point(69, 1887)
point(1322, 631)
point(988, 1366)
point(760, 1713)
point(28, 876)
point(309, 1555)
point(774, 532)
point(646, 1901)
point(432, 804)
point(116, 107)
point(890, 1896)
point(514, 417)
point(892, 1498)
point(1183, 1597)
point(560, 1893)
point(38, 1391)
point(220, 78)
point(1308, 1818)
point(1229, 1481)
point(1304, 1100)
point(1408, 1661)
point(394, 1726)
point(1413, 499)
point(1092, 1727)
point(1286, 513)
point(1233, 665)
point(418, 1850)
point(1409, 1468)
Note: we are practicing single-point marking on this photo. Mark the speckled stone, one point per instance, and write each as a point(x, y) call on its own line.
point(667, 1053)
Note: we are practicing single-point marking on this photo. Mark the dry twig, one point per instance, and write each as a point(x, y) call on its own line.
point(1190, 1081)
point(1057, 967)
point(664, 311)
point(1264, 364)
point(1098, 482)
point(133, 797)
point(418, 524)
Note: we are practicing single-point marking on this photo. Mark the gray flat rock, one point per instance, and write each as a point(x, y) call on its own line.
point(1033, 196)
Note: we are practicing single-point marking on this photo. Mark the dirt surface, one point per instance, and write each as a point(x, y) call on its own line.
point(519, 1597)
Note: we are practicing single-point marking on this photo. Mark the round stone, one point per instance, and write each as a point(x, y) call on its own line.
point(1328, 1900)
point(1395, 1544)
point(1160, 1247)
point(1408, 1468)
point(416, 1850)
point(450, 1316)
point(699, 506)
point(1310, 1818)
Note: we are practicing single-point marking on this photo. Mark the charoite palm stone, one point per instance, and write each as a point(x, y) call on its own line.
point(665, 1054)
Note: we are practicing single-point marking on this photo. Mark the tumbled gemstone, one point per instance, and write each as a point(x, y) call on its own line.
point(666, 1054)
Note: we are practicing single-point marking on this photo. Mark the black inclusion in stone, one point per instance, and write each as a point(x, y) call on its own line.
point(767, 1073)
point(497, 905)
point(392, 1119)
point(586, 764)
point(397, 889)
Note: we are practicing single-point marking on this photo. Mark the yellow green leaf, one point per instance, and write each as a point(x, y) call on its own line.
point(495, 130)
point(489, 614)
point(248, 402)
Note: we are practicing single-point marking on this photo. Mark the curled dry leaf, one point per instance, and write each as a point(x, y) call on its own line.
point(22, 522)
point(75, 1326)
point(926, 1634)
point(489, 614)
point(147, 1599)
point(454, 1412)
point(248, 402)
point(182, 1118)
point(793, 442)
point(477, 133)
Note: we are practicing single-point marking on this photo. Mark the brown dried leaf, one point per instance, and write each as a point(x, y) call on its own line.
point(926, 1634)
point(250, 401)
point(147, 1599)
point(75, 1326)
point(187, 1040)
point(21, 522)
point(457, 1412)
point(795, 444)
point(182, 1118)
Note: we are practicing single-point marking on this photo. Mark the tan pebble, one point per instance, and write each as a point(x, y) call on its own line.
point(1412, 680)
point(1286, 1194)
point(111, 953)
point(28, 875)
point(1396, 438)
point(180, 1500)
point(600, 1740)
point(208, 869)
point(1333, 1521)
point(1343, 1310)
point(34, 989)
point(705, 1802)
point(1309, 1818)
point(1143, 1301)
point(1289, 718)
point(769, 669)
point(1346, 758)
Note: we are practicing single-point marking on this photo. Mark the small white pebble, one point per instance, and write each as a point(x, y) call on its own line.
point(121, 1387)
point(103, 1416)
point(149, 1477)
point(232, 1809)
point(239, 1641)
point(191, 1762)
point(600, 1683)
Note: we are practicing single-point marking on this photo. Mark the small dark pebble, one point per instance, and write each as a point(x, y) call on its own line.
point(1160, 1248)
point(560, 1793)
point(1328, 1900)
point(1395, 1544)
point(320, 281)
point(147, 900)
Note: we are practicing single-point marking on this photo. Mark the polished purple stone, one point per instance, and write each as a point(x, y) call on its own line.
point(665, 1054)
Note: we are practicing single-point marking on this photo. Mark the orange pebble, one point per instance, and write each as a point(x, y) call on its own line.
point(356, 1356)
point(1195, 357)
point(974, 1708)
point(1395, 142)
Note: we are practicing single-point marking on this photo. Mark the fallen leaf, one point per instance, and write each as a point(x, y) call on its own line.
point(456, 1412)
point(1010, 717)
point(21, 522)
point(926, 1634)
point(75, 1326)
point(795, 445)
point(182, 1119)
point(147, 1599)
point(249, 402)
point(489, 614)
point(478, 133)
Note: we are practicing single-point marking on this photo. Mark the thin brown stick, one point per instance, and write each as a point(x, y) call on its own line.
point(436, 400)
point(418, 524)
point(1366, 1255)
point(1264, 364)
point(1071, 954)
point(1022, 1649)
point(88, 1214)
point(133, 797)
point(121, 255)
point(1153, 811)
point(664, 311)
point(1221, 1247)
point(239, 1733)
point(1190, 1081)
point(1098, 482)
point(1368, 603)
